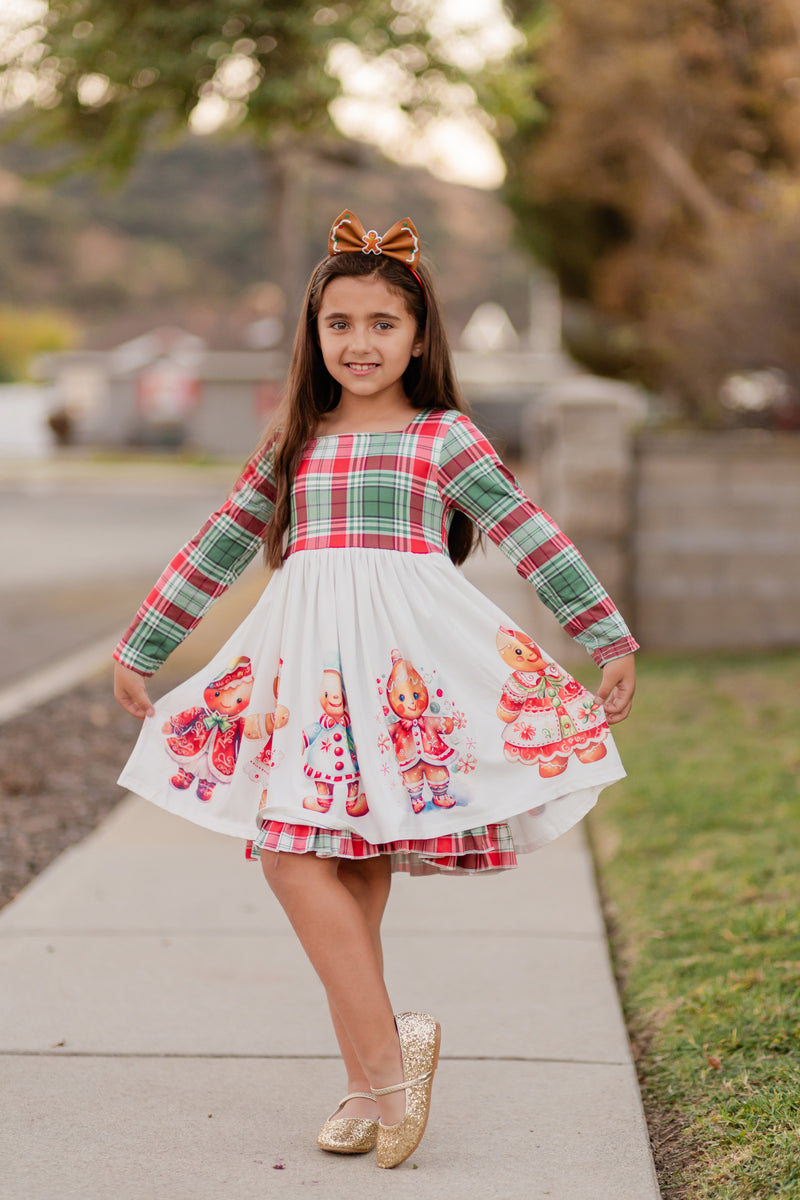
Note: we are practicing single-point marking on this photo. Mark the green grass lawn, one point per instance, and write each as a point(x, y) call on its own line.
point(698, 854)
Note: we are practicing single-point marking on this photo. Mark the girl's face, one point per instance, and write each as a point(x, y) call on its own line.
point(367, 337)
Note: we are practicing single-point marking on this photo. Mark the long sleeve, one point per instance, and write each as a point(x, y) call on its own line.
point(202, 569)
point(473, 479)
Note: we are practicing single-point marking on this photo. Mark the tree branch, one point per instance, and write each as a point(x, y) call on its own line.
point(681, 175)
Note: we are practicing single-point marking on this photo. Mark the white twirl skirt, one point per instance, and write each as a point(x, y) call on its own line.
point(378, 695)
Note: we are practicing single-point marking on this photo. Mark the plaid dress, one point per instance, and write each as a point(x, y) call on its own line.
point(374, 701)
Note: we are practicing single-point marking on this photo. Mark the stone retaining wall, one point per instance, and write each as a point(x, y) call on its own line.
point(716, 542)
point(697, 536)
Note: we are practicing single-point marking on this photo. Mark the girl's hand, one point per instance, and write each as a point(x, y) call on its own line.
point(616, 690)
point(131, 693)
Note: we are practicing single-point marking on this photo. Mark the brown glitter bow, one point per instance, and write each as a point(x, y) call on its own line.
point(401, 241)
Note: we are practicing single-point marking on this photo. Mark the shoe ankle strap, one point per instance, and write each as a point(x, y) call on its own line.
point(401, 1087)
point(350, 1096)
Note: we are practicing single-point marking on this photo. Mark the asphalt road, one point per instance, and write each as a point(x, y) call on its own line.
point(80, 545)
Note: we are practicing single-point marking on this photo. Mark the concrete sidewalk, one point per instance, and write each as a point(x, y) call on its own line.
point(162, 1035)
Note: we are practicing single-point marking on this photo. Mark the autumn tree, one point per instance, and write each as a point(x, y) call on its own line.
point(651, 139)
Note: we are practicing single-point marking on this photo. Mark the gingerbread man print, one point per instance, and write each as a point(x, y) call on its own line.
point(259, 767)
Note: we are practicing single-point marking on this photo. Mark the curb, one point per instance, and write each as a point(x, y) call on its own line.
point(54, 681)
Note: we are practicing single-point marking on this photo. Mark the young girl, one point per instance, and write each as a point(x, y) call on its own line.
point(375, 712)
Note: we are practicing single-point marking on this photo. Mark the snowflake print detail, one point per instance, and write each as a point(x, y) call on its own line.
point(466, 763)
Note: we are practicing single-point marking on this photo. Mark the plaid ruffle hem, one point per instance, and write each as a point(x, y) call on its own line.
point(474, 852)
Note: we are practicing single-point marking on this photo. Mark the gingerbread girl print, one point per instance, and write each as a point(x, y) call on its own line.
point(329, 748)
point(547, 714)
point(416, 734)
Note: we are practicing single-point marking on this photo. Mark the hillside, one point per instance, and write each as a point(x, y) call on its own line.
point(187, 239)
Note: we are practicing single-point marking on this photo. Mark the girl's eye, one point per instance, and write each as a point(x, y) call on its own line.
point(338, 325)
point(384, 325)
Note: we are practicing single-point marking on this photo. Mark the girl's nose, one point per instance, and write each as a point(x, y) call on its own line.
point(359, 339)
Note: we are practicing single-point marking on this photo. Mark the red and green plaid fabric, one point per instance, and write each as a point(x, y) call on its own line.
point(473, 479)
point(385, 491)
point(201, 570)
point(487, 848)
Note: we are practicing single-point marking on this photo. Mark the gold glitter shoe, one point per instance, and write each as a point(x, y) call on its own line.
point(349, 1135)
point(420, 1037)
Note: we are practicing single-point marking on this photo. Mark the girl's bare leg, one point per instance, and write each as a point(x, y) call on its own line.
point(368, 881)
point(336, 936)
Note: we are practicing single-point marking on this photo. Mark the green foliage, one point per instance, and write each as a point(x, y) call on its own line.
point(111, 78)
point(26, 333)
point(110, 74)
point(699, 859)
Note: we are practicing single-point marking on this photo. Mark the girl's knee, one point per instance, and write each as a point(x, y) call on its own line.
point(369, 881)
point(370, 872)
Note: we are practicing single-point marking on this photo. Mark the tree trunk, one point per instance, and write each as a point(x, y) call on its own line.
point(286, 168)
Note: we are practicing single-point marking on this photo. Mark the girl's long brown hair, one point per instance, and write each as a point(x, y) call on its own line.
point(310, 392)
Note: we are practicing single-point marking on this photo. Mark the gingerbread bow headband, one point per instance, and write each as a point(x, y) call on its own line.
point(348, 235)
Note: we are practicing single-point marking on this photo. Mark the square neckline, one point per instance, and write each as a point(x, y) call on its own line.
point(420, 412)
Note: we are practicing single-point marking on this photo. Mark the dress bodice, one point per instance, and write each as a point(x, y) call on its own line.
point(372, 490)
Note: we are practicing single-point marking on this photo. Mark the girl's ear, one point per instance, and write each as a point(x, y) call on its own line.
point(417, 348)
